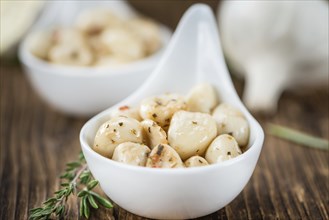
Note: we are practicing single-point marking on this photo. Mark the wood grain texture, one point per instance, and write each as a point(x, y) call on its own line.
point(290, 182)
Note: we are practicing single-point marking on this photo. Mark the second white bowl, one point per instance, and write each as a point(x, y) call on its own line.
point(86, 90)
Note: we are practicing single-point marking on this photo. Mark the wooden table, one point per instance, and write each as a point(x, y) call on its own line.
point(289, 182)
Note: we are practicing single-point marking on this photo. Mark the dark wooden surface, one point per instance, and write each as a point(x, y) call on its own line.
point(289, 182)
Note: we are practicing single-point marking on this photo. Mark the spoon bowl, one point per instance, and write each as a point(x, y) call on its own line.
point(192, 56)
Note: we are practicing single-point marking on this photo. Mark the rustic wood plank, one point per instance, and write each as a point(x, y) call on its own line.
point(35, 146)
point(290, 182)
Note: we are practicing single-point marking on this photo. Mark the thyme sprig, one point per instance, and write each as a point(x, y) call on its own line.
point(76, 180)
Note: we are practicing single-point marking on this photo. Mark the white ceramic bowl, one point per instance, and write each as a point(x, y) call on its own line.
point(86, 90)
point(192, 55)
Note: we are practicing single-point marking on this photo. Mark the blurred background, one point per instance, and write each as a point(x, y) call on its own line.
point(274, 46)
point(166, 12)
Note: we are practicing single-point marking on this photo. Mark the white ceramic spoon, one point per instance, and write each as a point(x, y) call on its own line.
point(193, 55)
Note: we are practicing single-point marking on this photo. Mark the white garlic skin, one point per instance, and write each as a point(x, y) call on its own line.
point(70, 54)
point(224, 147)
point(153, 133)
point(98, 48)
point(230, 120)
point(272, 51)
point(100, 37)
point(95, 20)
point(131, 153)
point(116, 131)
point(227, 109)
point(40, 44)
point(161, 108)
point(164, 156)
point(127, 111)
point(70, 48)
point(68, 36)
point(196, 161)
point(202, 98)
point(148, 31)
point(122, 43)
point(190, 133)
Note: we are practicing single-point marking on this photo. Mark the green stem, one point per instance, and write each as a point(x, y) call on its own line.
point(77, 175)
point(298, 137)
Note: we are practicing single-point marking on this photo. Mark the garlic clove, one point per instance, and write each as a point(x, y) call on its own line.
point(266, 78)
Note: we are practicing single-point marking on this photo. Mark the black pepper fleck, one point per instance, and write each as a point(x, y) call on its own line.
point(120, 124)
point(160, 149)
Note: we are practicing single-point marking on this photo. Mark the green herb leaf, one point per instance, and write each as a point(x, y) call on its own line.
point(104, 202)
point(92, 201)
point(50, 201)
point(35, 209)
point(81, 157)
point(92, 184)
point(86, 209)
point(79, 181)
point(73, 164)
point(59, 209)
point(298, 137)
point(81, 207)
point(82, 193)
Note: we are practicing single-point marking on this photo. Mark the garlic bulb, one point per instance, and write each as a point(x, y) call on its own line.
point(16, 17)
point(277, 45)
